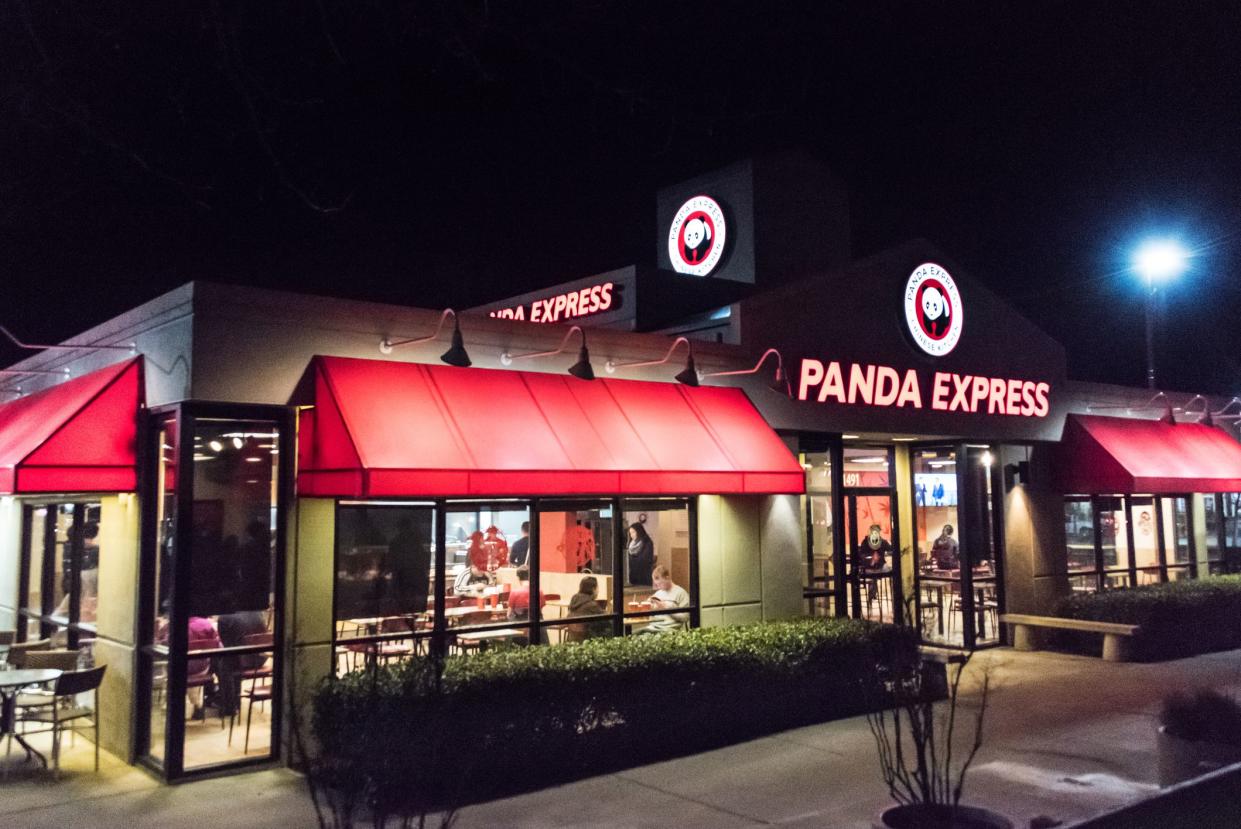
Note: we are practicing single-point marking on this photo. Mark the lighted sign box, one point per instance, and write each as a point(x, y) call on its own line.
point(905, 343)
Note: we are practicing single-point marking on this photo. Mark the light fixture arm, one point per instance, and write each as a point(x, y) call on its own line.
point(757, 366)
point(386, 345)
point(507, 357)
point(40, 347)
point(613, 366)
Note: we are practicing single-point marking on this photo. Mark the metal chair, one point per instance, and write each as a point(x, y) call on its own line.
point(60, 709)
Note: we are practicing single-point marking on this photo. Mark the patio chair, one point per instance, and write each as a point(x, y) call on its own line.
point(60, 660)
point(18, 651)
point(61, 710)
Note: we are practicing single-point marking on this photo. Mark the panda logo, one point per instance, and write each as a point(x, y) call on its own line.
point(696, 237)
point(933, 310)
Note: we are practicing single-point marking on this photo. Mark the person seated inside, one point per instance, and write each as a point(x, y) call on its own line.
point(519, 596)
point(585, 602)
point(667, 595)
point(872, 554)
point(470, 581)
point(944, 553)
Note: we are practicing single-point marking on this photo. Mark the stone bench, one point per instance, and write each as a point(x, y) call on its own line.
point(1117, 638)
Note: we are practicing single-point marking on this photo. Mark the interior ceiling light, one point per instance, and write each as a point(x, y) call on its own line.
point(216, 446)
point(780, 384)
point(455, 355)
point(582, 369)
point(687, 376)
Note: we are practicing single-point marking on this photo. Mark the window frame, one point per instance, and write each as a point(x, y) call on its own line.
point(76, 630)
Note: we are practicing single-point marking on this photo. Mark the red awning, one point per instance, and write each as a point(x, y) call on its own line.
point(1122, 455)
point(383, 428)
point(79, 436)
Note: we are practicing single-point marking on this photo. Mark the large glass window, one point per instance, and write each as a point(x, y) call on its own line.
point(663, 599)
point(385, 576)
point(937, 543)
point(209, 661)
point(1079, 532)
point(61, 565)
point(1230, 515)
point(1145, 540)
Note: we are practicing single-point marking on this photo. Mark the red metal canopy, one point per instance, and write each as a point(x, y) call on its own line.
point(1122, 455)
point(79, 436)
point(382, 428)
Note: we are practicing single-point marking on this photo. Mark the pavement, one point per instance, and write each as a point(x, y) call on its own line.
point(1066, 736)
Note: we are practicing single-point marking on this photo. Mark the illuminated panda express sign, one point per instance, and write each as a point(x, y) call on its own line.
point(593, 299)
point(697, 236)
point(935, 316)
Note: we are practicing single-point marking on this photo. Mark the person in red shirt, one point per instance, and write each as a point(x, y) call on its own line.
point(519, 596)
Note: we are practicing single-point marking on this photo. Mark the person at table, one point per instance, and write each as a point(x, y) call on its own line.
point(233, 630)
point(585, 602)
point(521, 547)
point(202, 636)
point(470, 581)
point(944, 552)
point(667, 595)
point(519, 596)
point(872, 554)
point(641, 555)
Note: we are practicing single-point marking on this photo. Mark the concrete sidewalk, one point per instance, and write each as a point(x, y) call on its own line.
point(1066, 736)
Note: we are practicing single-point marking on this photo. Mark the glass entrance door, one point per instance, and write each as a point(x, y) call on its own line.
point(872, 561)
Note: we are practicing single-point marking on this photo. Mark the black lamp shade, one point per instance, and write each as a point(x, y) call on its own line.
point(781, 384)
point(455, 355)
point(582, 368)
point(688, 376)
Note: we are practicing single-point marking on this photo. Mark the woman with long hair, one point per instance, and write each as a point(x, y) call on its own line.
point(641, 555)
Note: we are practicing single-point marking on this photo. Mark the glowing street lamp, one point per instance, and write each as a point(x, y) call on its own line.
point(1157, 261)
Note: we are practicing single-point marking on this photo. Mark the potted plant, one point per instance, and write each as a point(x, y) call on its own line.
point(914, 738)
point(1198, 733)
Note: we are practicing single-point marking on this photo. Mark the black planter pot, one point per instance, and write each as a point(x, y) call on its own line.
point(935, 816)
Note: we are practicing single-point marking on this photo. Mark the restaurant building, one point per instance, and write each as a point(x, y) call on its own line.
point(228, 493)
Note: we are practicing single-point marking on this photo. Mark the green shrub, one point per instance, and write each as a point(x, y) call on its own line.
point(512, 719)
point(1178, 619)
point(1205, 716)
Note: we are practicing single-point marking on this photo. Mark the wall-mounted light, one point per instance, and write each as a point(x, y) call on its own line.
point(780, 384)
point(130, 347)
point(454, 356)
point(582, 369)
point(687, 376)
point(1016, 473)
point(987, 458)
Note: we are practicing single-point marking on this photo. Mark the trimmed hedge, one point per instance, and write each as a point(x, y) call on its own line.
point(1178, 619)
point(513, 719)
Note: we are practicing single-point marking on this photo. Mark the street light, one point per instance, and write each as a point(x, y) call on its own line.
point(1157, 261)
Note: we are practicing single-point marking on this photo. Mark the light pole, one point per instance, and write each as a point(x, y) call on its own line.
point(1157, 261)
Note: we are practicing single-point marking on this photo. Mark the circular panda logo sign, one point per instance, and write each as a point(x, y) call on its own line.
point(933, 309)
point(696, 238)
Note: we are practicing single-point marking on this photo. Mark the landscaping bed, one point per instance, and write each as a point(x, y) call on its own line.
point(1178, 619)
point(515, 719)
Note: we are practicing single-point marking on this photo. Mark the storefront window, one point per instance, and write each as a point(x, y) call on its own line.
point(1145, 540)
point(663, 599)
point(818, 576)
point(1230, 514)
point(385, 574)
point(62, 575)
point(866, 467)
point(1113, 541)
point(488, 594)
point(937, 544)
point(1211, 516)
point(1079, 532)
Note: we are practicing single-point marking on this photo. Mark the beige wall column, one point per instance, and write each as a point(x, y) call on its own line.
point(116, 621)
point(783, 550)
point(1036, 557)
point(309, 557)
point(905, 520)
point(10, 559)
point(1199, 531)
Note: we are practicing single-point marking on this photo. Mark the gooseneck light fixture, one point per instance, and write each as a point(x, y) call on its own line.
point(780, 385)
point(687, 376)
point(454, 356)
point(130, 347)
point(582, 369)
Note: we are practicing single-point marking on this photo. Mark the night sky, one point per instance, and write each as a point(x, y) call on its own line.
point(441, 154)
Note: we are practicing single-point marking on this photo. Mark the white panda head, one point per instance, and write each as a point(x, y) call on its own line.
point(696, 232)
point(933, 304)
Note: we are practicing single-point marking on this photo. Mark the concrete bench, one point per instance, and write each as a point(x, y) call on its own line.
point(1117, 638)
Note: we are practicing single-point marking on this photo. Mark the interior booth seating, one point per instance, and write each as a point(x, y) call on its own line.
point(1144, 500)
point(470, 507)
